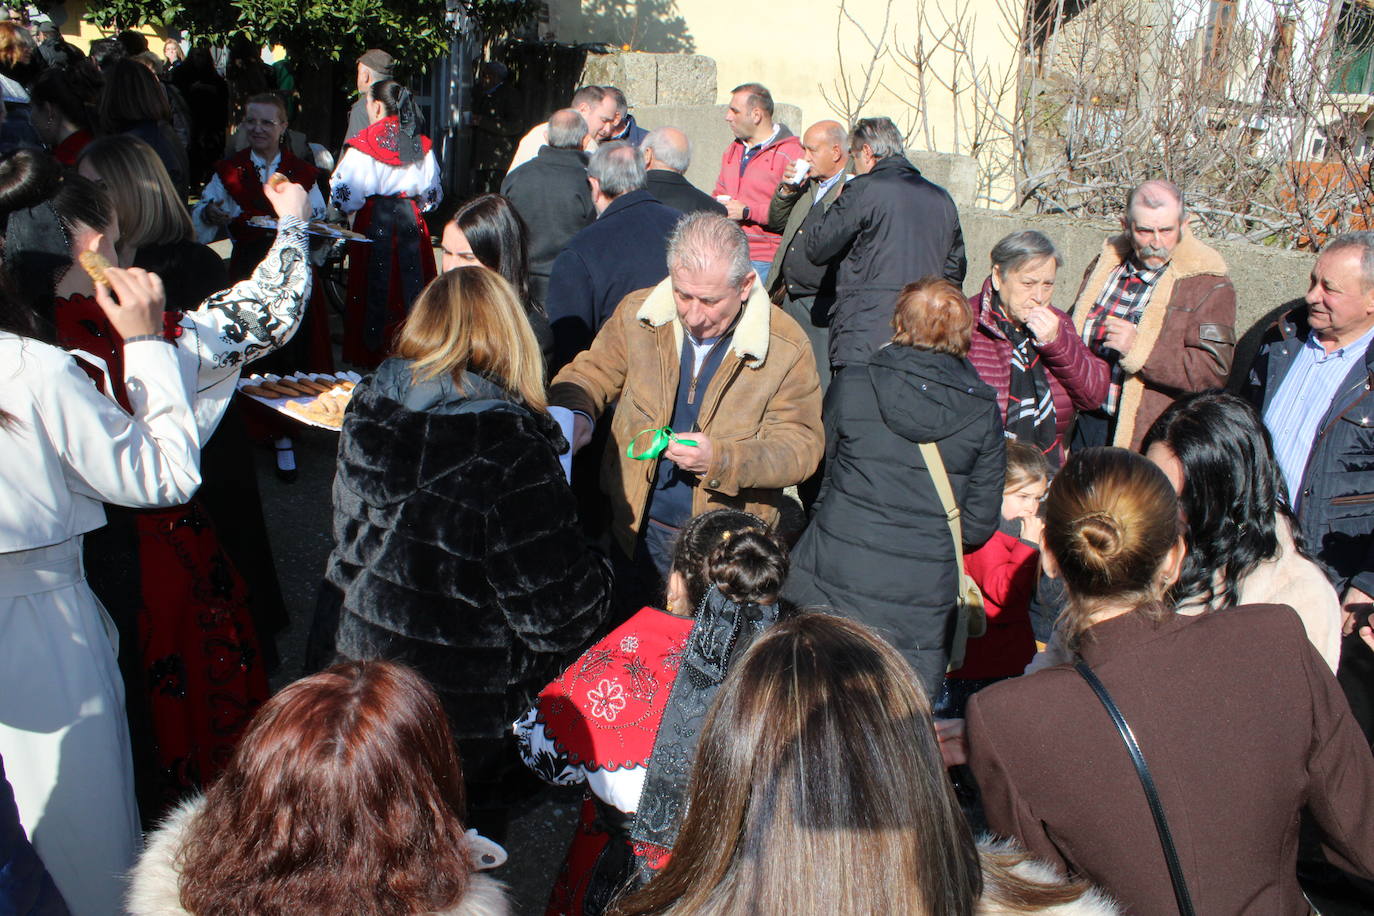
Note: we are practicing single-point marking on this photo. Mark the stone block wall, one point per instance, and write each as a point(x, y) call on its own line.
point(705, 125)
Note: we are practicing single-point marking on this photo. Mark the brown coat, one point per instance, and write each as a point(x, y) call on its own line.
point(1242, 725)
point(761, 410)
point(1185, 347)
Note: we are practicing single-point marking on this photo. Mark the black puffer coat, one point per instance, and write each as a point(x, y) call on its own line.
point(457, 545)
point(878, 547)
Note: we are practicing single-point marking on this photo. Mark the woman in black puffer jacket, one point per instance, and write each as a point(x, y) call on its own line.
point(878, 547)
point(457, 549)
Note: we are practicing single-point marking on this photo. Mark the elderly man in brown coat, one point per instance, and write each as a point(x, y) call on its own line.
point(1158, 306)
point(706, 355)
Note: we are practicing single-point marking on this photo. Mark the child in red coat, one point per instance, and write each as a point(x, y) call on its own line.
point(1006, 569)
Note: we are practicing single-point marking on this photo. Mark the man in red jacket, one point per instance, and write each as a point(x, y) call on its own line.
point(752, 167)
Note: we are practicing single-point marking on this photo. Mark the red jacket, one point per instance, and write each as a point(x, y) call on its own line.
point(1078, 379)
point(755, 187)
point(1006, 569)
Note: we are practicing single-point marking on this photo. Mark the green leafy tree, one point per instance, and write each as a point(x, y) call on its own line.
point(320, 31)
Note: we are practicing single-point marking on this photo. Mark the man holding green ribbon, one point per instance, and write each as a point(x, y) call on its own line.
point(717, 400)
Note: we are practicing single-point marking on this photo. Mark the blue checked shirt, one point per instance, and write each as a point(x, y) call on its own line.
point(1304, 396)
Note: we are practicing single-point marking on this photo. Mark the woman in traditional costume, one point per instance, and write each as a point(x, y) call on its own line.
point(198, 659)
point(388, 177)
point(623, 722)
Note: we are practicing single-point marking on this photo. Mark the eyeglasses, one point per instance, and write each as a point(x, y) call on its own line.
point(255, 123)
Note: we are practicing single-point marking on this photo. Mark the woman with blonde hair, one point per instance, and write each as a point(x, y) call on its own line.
point(457, 548)
point(155, 231)
point(1238, 720)
point(819, 788)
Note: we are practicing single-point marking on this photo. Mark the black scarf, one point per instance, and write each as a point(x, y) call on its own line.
point(1030, 401)
point(722, 632)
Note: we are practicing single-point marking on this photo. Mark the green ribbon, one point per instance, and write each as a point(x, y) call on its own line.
point(662, 437)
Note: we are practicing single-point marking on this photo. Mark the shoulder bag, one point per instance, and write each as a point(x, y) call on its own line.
point(973, 619)
point(1166, 840)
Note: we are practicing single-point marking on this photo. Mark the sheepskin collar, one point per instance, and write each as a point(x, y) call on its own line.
point(1190, 259)
point(750, 342)
point(154, 890)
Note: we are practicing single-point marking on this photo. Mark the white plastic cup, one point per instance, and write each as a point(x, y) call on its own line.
point(799, 176)
point(723, 198)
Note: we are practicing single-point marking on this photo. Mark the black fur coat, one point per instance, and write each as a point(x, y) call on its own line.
point(457, 548)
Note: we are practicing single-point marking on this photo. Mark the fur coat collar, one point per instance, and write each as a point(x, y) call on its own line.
point(153, 883)
point(750, 342)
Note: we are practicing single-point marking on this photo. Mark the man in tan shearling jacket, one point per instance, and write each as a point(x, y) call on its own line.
point(1158, 306)
point(706, 354)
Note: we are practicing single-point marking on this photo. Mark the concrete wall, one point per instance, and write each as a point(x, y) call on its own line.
point(1267, 280)
point(705, 124)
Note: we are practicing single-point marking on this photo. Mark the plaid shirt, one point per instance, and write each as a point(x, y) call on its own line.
point(1125, 295)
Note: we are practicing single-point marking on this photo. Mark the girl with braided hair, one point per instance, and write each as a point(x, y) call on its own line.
point(623, 718)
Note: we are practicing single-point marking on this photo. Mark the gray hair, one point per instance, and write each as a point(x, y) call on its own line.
point(622, 104)
point(666, 149)
point(567, 129)
point(618, 167)
point(1154, 194)
point(1020, 248)
point(702, 240)
point(878, 134)
point(1364, 243)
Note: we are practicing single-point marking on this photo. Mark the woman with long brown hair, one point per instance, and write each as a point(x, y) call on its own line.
point(819, 789)
point(1239, 720)
point(457, 548)
point(344, 798)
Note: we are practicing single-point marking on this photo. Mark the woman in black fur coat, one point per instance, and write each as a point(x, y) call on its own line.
point(457, 549)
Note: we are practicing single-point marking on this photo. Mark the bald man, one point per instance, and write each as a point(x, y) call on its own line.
point(1158, 306)
point(806, 290)
point(667, 154)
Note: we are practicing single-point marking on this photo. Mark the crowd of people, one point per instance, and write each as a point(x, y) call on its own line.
point(837, 590)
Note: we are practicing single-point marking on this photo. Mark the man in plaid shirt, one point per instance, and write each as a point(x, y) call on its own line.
point(1158, 306)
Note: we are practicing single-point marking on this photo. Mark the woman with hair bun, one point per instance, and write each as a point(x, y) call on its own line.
point(388, 178)
point(344, 798)
point(1238, 718)
point(819, 790)
point(622, 719)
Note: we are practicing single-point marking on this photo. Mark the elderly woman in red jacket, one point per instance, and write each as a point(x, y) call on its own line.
point(1028, 351)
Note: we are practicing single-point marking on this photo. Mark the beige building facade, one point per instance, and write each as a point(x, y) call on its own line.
point(946, 71)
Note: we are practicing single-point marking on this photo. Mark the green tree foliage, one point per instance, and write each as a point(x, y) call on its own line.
point(317, 31)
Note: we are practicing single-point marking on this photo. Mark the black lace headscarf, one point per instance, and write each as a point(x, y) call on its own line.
point(400, 104)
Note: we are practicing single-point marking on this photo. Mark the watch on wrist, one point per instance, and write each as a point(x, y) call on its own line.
point(745, 214)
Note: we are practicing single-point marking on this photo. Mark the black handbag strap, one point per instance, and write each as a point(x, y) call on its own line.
point(1185, 902)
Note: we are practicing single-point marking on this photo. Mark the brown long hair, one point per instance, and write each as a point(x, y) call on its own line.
point(344, 798)
point(818, 786)
point(470, 319)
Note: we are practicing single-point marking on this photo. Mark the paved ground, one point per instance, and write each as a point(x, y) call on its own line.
point(298, 523)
